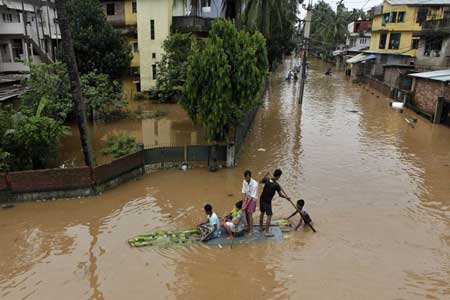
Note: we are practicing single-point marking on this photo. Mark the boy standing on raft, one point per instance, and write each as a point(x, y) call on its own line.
point(271, 186)
point(249, 198)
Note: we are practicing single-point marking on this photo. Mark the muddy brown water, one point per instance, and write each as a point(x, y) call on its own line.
point(377, 189)
point(173, 128)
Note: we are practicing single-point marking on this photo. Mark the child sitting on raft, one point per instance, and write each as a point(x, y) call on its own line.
point(236, 222)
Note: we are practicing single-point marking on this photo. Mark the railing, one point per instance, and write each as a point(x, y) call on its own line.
point(191, 24)
point(84, 181)
point(436, 24)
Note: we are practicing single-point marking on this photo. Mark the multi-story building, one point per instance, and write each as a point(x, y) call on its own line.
point(359, 34)
point(433, 52)
point(357, 40)
point(147, 23)
point(396, 34)
point(28, 33)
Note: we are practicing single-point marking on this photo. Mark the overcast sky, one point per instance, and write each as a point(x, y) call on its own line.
point(350, 4)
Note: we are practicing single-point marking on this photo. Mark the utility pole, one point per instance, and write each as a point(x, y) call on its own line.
point(304, 50)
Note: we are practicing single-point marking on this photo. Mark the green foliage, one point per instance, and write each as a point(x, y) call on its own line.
point(103, 96)
point(173, 65)
point(118, 145)
point(49, 84)
point(28, 141)
point(223, 78)
point(98, 46)
point(276, 20)
point(329, 27)
point(139, 96)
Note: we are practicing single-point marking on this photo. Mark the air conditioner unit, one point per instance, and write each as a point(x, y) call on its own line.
point(206, 9)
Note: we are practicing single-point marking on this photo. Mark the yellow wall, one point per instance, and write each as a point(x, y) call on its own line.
point(404, 48)
point(135, 62)
point(161, 12)
point(406, 28)
point(130, 17)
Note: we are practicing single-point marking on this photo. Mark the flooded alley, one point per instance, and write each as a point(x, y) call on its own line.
point(377, 189)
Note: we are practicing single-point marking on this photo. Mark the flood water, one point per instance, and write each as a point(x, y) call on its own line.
point(377, 189)
point(172, 128)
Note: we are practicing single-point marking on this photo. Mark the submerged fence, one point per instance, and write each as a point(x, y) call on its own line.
point(83, 181)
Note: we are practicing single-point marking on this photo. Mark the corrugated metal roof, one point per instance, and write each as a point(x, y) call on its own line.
point(360, 57)
point(418, 2)
point(442, 75)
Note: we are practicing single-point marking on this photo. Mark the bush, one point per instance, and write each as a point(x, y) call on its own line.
point(118, 145)
point(28, 141)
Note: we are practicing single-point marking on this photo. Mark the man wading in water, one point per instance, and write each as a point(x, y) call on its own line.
point(249, 197)
point(265, 201)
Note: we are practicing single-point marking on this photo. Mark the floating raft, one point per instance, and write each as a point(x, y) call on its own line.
point(189, 236)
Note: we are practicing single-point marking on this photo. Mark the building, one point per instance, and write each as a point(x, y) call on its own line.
point(358, 36)
point(147, 23)
point(357, 40)
point(432, 95)
point(28, 33)
point(433, 52)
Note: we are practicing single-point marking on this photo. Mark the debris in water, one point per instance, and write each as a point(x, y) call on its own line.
point(184, 167)
point(353, 111)
point(262, 150)
point(230, 195)
point(219, 245)
point(6, 206)
point(411, 121)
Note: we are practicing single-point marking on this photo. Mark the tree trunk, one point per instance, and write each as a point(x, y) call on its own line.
point(72, 68)
point(212, 164)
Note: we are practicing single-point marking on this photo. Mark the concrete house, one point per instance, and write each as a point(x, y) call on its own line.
point(28, 33)
point(147, 23)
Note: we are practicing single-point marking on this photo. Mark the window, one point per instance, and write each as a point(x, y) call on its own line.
point(401, 17)
point(415, 43)
point(4, 53)
point(7, 18)
point(206, 3)
point(433, 47)
point(394, 40)
point(17, 49)
point(154, 55)
point(134, 7)
point(152, 29)
point(138, 86)
point(135, 47)
point(422, 14)
point(393, 17)
point(385, 19)
point(154, 71)
point(110, 9)
point(383, 37)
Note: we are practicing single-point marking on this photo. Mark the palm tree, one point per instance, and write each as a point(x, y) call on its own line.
point(72, 68)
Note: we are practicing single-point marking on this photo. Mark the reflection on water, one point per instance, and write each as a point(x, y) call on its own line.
point(377, 189)
point(175, 129)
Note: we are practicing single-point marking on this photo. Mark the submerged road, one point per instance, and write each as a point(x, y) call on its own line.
point(377, 189)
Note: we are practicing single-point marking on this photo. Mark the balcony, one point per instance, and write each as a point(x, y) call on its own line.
point(12, 28)
point(185, 24)
point(436, 26)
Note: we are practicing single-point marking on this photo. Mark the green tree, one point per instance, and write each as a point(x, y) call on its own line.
point(98, 46)
point(329, 27)
point(276, 20)
point(223, 78)
point(173, 65)
point(50, 83)
point(104, 97)
point(28, 141)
